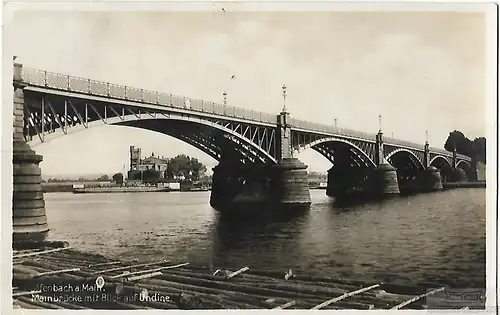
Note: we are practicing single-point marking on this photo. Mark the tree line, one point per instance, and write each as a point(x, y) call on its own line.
point(473, 148)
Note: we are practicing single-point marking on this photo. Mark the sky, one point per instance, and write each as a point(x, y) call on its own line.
point(420, 71)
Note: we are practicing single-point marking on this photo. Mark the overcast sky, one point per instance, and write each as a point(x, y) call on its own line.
point(420, 71)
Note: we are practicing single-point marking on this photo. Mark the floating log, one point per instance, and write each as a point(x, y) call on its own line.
point(39, 303)
point(234, 274)
point(399, 306)
point(26, 293)
point(145, 276)
point(195, 287)
point(343, 296)
point(20, 304)
point(55, 272)
point(149, 271)
point(233, 287)
point(286, 305)
point(132, 266)
point(104, 264)
point(41, 252)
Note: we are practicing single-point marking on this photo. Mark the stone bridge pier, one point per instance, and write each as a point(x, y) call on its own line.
point(28, 206)
point(420, 180)
point(249, 188)
point(370, 182)
point(384, 179)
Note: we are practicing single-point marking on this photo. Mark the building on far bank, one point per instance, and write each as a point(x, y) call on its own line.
point(138, 164)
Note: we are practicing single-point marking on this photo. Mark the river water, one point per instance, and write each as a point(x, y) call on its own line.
point(428, 239)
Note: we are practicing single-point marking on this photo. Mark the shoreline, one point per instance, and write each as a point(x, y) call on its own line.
point(58, 188)
point(180, 285)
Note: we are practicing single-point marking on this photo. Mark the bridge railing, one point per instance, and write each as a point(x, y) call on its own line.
point(63, 82)
point(307, 125)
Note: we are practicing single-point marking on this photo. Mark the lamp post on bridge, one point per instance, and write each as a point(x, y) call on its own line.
point(285, 151)
point(224, 96)
point(283, 89)
point(380, 123)
point(427, 155)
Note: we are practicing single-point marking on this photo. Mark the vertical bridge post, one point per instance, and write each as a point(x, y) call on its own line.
point(430, 180)
point(385, 178)
point(28, 206)
point(289, 183)
point(427, 155)
point(284, 137)
point(380, 149)
point(458, 174)
point(454, 158)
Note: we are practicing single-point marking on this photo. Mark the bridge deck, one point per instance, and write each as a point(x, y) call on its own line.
point(62, 82)
point(200, 289)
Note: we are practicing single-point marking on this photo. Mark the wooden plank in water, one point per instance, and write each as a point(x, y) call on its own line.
point(55, 272)
point(343, 296)
point(146, 276)
point(234, 274)
point(418, 297)
point(41, 252)
point(26, 293)
point(164, 261)
point(109, 263)
point(149, 271)
point(23, 305)
point(291, 303)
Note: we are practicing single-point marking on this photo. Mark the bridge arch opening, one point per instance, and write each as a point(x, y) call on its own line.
point(444, 167)
point(207, 136)
point(340, 152)
point(465, 171)
point(408, 168)
point(404, 159)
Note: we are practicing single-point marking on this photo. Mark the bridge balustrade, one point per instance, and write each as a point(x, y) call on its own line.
point(134, 94)
point(150, 97)
point(116, 91)
point(403, 143)
point(307, 125)
point(92, 87)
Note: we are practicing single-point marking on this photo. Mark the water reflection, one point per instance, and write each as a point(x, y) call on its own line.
point(269, 235)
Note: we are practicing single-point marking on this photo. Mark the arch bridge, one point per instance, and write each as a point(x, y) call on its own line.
point(56, 105)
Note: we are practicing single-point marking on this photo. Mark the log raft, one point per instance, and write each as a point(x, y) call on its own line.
point(66, 279)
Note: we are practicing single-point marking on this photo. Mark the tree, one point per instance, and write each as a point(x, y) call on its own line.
point(118, 178)
point(465, 146)
point(103, 178)
point(151, 176)
point(183, 165)
point(479, 145)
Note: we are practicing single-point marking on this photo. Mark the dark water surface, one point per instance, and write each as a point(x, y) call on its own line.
point(428, 238)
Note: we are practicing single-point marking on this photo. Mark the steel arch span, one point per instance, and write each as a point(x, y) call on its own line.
point(439, 158)
point(463, 164)
point(55, 101)
point(408, 158)
point(466, 167)
point(358, 153)
point(214, 137)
